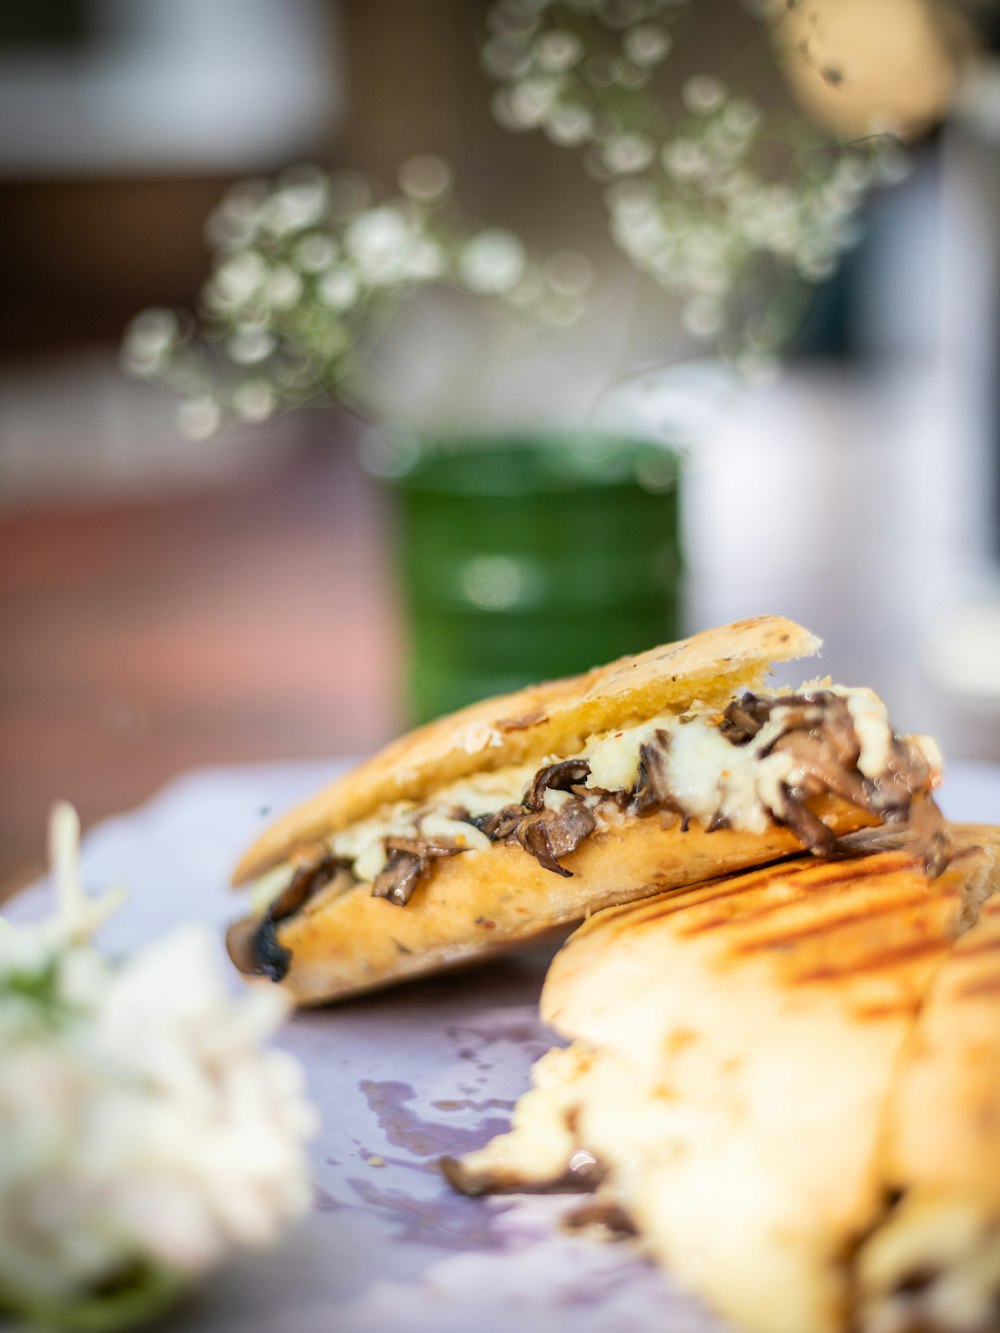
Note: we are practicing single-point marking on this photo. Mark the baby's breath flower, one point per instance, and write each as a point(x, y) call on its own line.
point(557, 50)
point(646, 44)
point(703, 316)
point(816, 267)
point(250, 345)
point(530, 101)
point(728, 213)
point(379, 242)
point(199, 418)
point(889, 163)
point(146, 1132)
point(492, 262)
point(703, 94)
point(289, 318)
point(425, 177)
point(254, 400)
point(315, 252)
point(569, 124)
point(295, 207)
point(426, 260)
point(685, 159)
point(234, 223)
point(628, 153)
point(339, 288)
point(509, 17)
point(741, 117)
point(149, 340)
point(282, 288)
point(628, 76)
point(240, 278)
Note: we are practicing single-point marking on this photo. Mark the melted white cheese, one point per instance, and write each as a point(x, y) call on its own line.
point(482, 793)
point(270, 886)
point(355, 842)
point(871, 726)
point(709, 776)
point(614, 757)
point(458, 831)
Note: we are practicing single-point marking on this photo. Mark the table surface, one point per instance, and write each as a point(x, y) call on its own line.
point(399, 1079)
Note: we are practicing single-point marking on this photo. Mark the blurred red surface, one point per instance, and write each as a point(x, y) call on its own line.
point(254, 621)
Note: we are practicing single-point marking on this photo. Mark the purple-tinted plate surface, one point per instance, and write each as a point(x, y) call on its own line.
point(399, 1079)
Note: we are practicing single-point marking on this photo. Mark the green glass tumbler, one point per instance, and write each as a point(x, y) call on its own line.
point(527, 557)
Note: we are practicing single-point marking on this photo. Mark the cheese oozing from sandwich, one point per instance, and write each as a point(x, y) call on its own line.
point(756, 762)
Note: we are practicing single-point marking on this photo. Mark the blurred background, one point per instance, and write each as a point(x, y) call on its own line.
point(168, 602)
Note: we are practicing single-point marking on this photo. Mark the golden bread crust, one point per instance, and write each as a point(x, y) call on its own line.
point(479, 903)
point(552, 718)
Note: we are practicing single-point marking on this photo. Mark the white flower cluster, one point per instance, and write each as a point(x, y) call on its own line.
point(717, 199)
point(308, 273)
point(146, 1130)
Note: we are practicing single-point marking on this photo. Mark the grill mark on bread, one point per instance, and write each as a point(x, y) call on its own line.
point(973, 990)
point(874, 1013)
point(800, 894)
point(803, 878)
point(682, 900)
point(971, 950)
point(835, 911)
point(827, 924)
point(883, 961)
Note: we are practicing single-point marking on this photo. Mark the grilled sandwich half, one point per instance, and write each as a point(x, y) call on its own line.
point(789, 1081)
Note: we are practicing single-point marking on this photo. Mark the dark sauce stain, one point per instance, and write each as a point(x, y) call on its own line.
point(405, 1129)
point(447, 1223)
point(472, 1042)
point(467, 1104)
point(324, 1202)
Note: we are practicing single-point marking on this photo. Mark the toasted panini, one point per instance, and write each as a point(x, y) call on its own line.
point(761, 1069)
